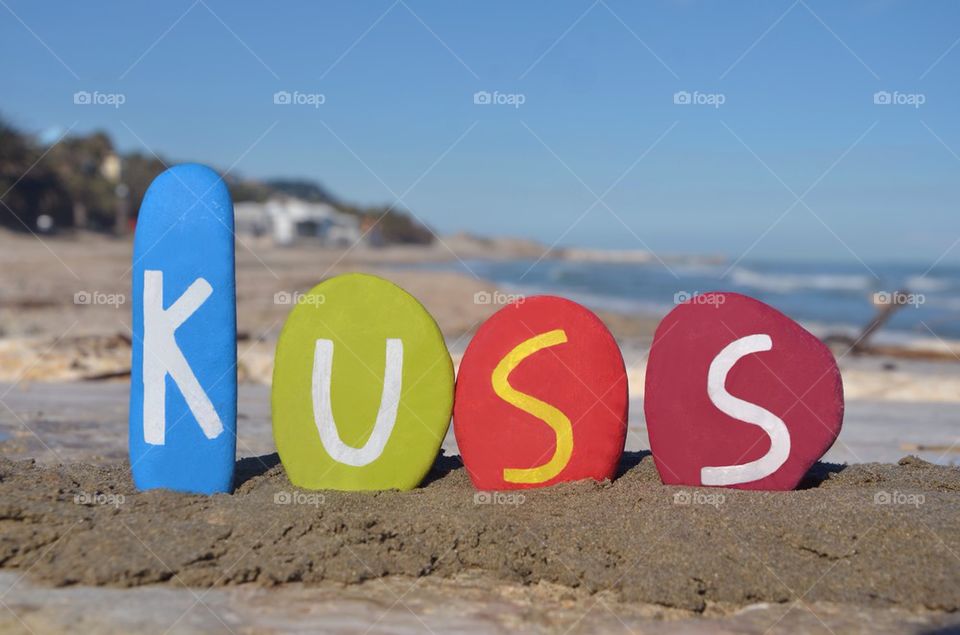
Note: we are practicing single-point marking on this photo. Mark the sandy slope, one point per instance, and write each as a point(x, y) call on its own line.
point(675, 547)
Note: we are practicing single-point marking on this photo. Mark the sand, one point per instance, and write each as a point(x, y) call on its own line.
point(65, 302)
point(465, 604)
point(873, 535)
point(80, 285)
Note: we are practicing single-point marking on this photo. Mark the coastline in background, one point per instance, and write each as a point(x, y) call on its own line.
point(837, 298)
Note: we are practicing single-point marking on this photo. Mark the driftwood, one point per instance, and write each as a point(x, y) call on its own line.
point(886, 304)
point(23, 304)
point(117, 374)
point(922, 354)
point(921, 447)
point(885, 311)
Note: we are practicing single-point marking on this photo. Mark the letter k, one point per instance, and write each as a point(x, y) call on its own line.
point(162, 356)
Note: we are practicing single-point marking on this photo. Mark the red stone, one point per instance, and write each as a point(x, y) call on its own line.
point(574, 422)
point(795, 382)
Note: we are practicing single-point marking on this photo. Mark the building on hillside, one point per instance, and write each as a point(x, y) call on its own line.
point(287, 220)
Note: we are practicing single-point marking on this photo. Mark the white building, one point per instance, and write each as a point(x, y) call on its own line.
point(287, 220)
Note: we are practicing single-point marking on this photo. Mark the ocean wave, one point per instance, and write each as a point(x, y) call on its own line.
point(790, 282)
point(704, 270)
point(949, 303)
point(596, 301)
point(927, 284)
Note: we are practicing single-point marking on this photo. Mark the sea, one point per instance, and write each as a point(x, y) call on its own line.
point(826, 297)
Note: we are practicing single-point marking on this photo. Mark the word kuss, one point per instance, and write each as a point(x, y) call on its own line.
point(737, 394)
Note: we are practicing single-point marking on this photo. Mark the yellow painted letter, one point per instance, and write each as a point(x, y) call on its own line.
point(531, 405)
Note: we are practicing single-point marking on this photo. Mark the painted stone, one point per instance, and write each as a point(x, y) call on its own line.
point(362, 387)
point(183, 380)
point(739, 395)
point(541, 397)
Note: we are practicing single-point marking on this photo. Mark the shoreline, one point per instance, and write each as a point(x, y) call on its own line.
point(46, 336)
point(38, 283)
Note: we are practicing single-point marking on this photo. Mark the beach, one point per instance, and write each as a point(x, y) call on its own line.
point(632, 542)
point(867, 544)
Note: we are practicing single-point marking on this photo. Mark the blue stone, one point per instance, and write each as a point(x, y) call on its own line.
point(183, 381)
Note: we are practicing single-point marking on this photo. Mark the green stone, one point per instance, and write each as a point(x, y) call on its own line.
point(362, 387)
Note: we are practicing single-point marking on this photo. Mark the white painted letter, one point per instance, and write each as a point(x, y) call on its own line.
point(162, 356)
point(745, 411)
point(386, 416)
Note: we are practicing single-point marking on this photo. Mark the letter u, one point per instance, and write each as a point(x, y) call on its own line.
point(386, 416)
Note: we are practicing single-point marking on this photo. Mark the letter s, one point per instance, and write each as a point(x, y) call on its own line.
point(745, 411)
point(531, 405)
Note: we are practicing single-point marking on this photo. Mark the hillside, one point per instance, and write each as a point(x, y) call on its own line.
point(83, 182)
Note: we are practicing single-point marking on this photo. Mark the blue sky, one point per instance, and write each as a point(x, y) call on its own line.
point(598, 118)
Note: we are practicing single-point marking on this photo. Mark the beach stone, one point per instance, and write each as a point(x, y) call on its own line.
point(541, 397)
point(183, 382)
point(739, 395)
point(362, 387)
